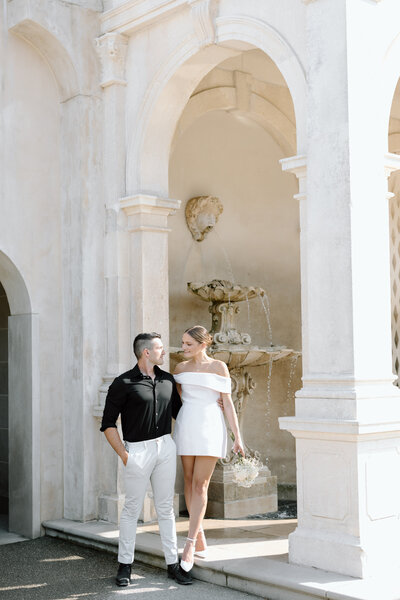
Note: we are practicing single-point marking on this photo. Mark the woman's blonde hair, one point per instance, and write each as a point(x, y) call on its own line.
point(200, 334)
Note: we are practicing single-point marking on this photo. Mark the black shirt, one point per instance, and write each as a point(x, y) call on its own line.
point(146, 406)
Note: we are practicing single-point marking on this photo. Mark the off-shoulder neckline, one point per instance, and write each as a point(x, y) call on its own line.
point(201, 373)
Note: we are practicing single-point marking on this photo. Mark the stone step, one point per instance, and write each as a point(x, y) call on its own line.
point(253, 564)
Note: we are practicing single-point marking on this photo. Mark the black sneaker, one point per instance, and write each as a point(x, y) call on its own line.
point(123, 577)
point(176, 572)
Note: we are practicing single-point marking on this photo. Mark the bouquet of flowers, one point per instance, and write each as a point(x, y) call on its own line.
point(245, 470)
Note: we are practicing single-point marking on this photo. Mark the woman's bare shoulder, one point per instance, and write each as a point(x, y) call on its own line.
point(219, 368)
point(180, 367)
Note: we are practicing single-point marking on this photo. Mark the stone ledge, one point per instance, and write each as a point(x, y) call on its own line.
point(245, 564)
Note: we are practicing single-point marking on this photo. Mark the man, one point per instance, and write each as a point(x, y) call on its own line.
point(146, 398)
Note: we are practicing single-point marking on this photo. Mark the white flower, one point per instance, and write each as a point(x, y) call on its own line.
point(245, 471)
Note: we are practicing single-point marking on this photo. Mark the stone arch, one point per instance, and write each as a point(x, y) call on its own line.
point(260, 110)
point(173, 85)
point(391, 75)
point(53, 51)
point(15, 287)
point(24, 404)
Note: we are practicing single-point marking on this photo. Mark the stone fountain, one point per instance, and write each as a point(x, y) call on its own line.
point(226, 499)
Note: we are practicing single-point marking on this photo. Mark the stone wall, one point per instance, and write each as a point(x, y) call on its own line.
point(4, 313)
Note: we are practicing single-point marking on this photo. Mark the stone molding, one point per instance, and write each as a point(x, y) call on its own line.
point(298, 166)
point(203, 13)
point(24, 22)
point(134, 15)
point(295, 164)
point(338, 429)
point(112, 48)
point(145, 204)
point(392, 163)
point(148, 213)
point(241, 97)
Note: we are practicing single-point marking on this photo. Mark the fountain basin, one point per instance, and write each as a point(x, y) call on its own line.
point(241, 355)
point(221, 290)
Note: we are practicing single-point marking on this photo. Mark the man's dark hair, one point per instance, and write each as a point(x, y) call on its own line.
point(142, 341)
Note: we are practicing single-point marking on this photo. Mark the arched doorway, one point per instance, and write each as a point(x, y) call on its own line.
point(4, 314)
point(23, 404)
point(394, 227)
point(238, 123)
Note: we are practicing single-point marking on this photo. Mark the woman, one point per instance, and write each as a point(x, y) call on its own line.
point(200, 432)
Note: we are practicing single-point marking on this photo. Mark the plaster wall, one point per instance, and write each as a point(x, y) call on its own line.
point(30, 230)
point(256, 242)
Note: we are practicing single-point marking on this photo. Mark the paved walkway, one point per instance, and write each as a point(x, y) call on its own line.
point(245, 555)
point(54, 569)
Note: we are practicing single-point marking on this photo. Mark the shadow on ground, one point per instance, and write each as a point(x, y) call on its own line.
point(53, 569)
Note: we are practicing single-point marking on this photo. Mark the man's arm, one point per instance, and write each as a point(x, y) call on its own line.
point(115, 442)
point(176, 400)
point(114, 402)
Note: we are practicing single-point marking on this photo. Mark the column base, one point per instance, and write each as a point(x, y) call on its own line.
point(148, 513)
point(348, 495)
point(110, 507)
point(341, 553)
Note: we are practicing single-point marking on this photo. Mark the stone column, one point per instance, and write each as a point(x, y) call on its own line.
point(83, 313)
point(347, 423)
point(112, 48)
point(147, 223)
point(148, 228)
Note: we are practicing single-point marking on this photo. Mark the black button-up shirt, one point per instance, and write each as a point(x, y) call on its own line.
point(146, 406)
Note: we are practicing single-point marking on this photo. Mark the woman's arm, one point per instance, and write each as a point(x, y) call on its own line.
point(230, 412)
point(220, 368)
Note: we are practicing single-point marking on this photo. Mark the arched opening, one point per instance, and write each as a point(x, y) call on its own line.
point(23, 433)
point(4, 314)
point(394, 224)
point(236, 126)
point(153, 127)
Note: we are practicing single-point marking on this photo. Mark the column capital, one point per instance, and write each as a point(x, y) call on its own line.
point(148, 213)
point(145, 204)
point(112, 47)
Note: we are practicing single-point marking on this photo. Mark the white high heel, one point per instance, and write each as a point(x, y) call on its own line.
point(185, 564)
point(201, 553)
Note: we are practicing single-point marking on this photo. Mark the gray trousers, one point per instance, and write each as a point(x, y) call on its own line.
point(155, 461)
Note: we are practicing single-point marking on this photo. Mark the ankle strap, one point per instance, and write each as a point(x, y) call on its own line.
point(190, 539)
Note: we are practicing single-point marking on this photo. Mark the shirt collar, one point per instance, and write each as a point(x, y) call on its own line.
point(137, 374)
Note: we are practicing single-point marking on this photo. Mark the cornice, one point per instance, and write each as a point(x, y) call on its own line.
point(136, 14)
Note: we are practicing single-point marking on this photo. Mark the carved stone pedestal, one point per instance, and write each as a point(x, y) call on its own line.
point(226, 500)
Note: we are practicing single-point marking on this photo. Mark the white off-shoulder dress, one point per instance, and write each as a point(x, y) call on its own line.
point(200, 426)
